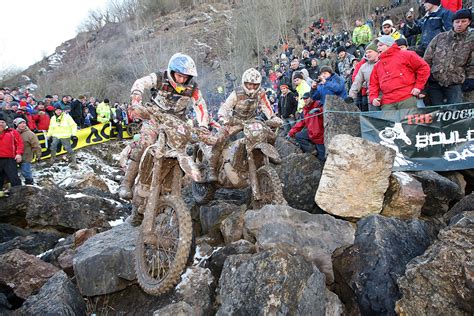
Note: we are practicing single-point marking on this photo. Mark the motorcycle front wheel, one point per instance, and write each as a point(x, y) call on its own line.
point(159, 263)
point(270, 188)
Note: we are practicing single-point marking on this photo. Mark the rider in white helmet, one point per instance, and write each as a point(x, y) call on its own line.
point(242, 104)
point(173, 91)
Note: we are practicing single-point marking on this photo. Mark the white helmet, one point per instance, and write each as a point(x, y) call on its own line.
point(251, 75)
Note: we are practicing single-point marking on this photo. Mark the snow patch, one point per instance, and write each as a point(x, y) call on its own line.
point(403, 177)
point(75, 196)
point(61, 239)
point(44, 253)
point(117, 222)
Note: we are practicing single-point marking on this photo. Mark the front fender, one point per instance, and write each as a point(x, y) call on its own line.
point(190, 168)
point(269, 151)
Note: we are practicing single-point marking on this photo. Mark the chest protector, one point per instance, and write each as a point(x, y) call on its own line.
point(170, 101)
point(246, 106)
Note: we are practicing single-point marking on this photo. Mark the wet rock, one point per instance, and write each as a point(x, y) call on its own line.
point(441, 281)
point(339, 123)
point(404, 197)
point(196, 290)
point(8, 232)
point(80, 181)
point(367, 270)
point(300, 175)
point(232, 227)
point(212, 214)
point(333, 304)
point(177, 309)
point(313, 236)
point(105, 262)
point(465, 205)
point(355, 177)
point(58, 296)
point(270, 283)
point(285, 148)
point(440, 192)
point(218, 257)
point(51, 207)
point(34, 244)
point(24, 273)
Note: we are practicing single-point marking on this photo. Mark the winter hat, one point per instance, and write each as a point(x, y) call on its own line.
point(386, 39)
point(340, 49)
point(401, 41)
point(297, 75)
point(371, 46)
point(327, 69)
point(13, 103)
point(58, 106)
point(434, 2)
point(106, 101)
point(462, 14)
point(306, 95)
point(18, 120)
point(389, 22)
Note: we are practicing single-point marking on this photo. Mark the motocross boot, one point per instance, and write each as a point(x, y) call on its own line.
point(136, 217)
point(215, 155)
point(125, 189)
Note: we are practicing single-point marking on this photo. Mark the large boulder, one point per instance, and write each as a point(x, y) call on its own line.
point(300, 175)
point(338, 122)
point(35, 243)
point(404, 197)
point(8, 232)
point(285, 148)
point(196, 289)
point(465, 205)
point(313, 236)
point(355, 177)
point(80, 181)
point(211, 215)
point(24, 273)
point(367, 270)
point(270, 283)
point(441, 281)
point(218, 257)
point(440, 192)
point(105, 262)
point(52, 208)
point(58, 296)
point(176, 309)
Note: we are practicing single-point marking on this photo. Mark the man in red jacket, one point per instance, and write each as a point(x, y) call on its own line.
point(452, 5)
point(309, 132)
point(398, 77)
point(11, 149)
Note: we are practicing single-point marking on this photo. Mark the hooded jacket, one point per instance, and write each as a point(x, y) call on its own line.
point(11, 143)
point(313, 122)
point(31, 145)
point(396, 74)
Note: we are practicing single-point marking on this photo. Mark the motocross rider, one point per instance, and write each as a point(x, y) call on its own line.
point(177, 93)
point(242, 104)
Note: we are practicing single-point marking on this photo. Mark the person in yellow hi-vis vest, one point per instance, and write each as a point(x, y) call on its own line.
point(103, 111)
point(62, 128)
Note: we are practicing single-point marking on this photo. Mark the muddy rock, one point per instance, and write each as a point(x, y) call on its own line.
point(58, 296)
point(441, 281)
point(339, 123)
point(367, 271)
point(300, 175)
point(105, 262)
point(404, 197)
point(270, 283)
point(232, 227)
point(313, 236)
point(24, 273)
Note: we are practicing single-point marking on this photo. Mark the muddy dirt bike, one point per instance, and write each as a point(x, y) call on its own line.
point(244, 162)
point(165, 235)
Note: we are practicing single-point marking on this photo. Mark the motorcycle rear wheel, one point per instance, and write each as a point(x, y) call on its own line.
point(270, 188)
point(159, 265)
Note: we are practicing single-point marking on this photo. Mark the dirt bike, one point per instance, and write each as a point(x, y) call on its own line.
point(165, 235)
point(244, 162)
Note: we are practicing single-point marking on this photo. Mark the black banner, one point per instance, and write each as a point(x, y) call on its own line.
point(438, 138)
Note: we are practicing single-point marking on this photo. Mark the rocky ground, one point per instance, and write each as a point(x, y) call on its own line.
point(354, 239)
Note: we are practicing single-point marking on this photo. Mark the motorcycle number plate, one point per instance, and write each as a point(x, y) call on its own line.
point(255, 127)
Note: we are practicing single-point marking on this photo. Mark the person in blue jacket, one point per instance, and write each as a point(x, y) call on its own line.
point(328, 83)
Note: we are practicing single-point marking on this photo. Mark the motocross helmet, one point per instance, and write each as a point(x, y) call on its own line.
point(182, 64)
point(251, 75)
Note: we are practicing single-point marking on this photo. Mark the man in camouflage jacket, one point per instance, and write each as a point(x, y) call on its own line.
point(449, 54)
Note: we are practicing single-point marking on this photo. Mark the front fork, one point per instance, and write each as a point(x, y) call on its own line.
point(253, 174)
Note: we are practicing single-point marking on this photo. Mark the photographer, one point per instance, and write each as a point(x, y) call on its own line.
point(328, 83)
